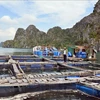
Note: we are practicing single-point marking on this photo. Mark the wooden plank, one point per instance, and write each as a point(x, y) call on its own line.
point(23, 56)
point(27, 58)
point(5, 63)
point(68, 66)
point(12, 81)
point(74, 59)
point(95, 64)
point(16, 70)
point(48, 59)
point(29, 63)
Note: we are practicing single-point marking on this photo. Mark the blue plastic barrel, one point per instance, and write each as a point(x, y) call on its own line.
point(39, 53)
point(88, 90)
point(70, 54)
point(58, 53)
point(55, 53)
point(84, 55)
point(35, 52)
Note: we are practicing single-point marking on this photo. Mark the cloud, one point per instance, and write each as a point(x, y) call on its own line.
point(63, 13)
point(8, 20)
point(7, 34)
point(27, 19)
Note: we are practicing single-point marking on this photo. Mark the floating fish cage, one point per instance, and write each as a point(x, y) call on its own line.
point(25, 73)
point(57, 58)
point(38, 68)
point(54, 58)
point(13, 90)
point(84, 65)
point(26, 58)
point(95, 64)
point(22, 56)
point(5, 69)
point(4, 58)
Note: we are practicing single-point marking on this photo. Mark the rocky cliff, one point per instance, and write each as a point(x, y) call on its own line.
point(87, 31)
point(26, 38)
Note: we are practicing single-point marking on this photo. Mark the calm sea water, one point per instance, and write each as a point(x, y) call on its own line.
point(14, 51)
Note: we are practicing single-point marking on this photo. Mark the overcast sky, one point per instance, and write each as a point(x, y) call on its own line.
point(44, 14)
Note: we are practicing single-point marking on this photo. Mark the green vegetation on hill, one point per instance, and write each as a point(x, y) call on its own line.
point(86, 31)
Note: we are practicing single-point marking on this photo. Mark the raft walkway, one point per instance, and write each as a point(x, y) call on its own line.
point(68, 66)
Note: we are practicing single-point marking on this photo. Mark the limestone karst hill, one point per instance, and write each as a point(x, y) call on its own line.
point(86, 31)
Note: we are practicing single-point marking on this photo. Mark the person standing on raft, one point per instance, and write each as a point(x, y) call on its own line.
point(65, 55)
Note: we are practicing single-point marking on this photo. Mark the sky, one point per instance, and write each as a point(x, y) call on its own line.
point(44, 14)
